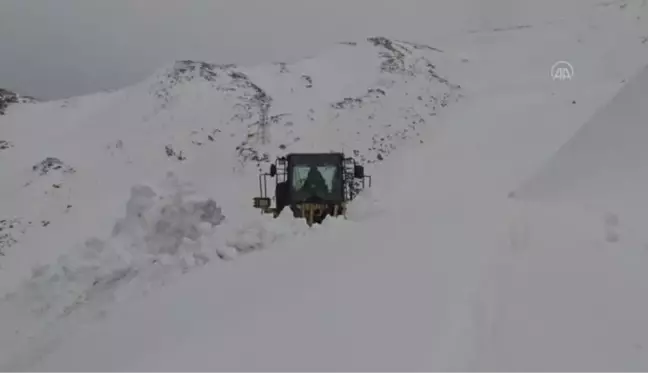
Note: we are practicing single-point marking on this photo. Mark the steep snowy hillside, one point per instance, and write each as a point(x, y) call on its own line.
point(152, 180)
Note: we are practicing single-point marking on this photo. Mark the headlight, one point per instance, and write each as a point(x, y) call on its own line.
point(261, 202)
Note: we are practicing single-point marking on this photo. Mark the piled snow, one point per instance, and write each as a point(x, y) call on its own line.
point(164, 232)
point(603, 164)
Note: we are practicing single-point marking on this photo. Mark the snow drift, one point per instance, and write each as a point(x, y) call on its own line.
point(603, 164)
point(164, 232)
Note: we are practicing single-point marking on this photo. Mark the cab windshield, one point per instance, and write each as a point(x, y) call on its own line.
point(315, 181)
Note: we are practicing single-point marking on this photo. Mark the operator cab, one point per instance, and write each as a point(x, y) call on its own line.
point(315, 178)
point(312, 185)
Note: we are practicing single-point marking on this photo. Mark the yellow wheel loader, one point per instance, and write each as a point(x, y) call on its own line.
point(311, 185)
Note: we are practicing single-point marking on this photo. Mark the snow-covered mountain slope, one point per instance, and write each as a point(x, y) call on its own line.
point(436, 269)
point(157, 178)
point(72, 163)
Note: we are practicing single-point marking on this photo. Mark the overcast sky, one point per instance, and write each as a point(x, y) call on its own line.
point(60, 48)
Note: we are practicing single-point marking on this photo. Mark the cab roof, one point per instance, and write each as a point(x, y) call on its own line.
point(315, 158)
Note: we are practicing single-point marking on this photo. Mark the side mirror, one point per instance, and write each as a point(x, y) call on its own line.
point(273, 170)
point(358, 172)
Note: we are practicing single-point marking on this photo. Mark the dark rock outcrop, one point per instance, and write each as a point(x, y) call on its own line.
point(7, 98)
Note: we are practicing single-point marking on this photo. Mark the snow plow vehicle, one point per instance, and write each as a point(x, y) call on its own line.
point(312, 185)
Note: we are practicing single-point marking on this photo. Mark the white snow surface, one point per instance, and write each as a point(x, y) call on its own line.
point(603, 163)
point(435, 268)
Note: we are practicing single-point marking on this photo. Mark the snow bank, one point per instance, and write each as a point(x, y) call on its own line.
point(365, 205)
point(165, 231)
point(603, 163)
point(260, 233)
